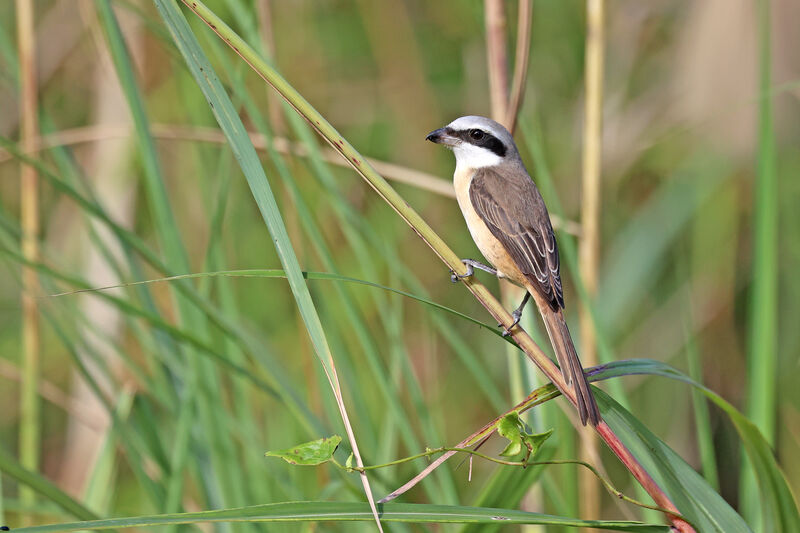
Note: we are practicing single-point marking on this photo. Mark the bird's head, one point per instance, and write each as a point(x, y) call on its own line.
point(476, 142)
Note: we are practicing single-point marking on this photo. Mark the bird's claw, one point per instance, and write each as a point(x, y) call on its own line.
point(454, 277)
point(517, 315)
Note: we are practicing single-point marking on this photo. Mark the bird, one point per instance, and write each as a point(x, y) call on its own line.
point(508, 220)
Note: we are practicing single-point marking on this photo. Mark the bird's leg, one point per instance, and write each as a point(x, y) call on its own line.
point(517, 314)
point(471, 266)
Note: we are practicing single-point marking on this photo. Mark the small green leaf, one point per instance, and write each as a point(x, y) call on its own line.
point(509, 427)
point(520, 436)
point(534, 441)
point(349, 463)
point(311, 453)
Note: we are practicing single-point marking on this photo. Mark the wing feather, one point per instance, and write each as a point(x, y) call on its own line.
point(513, 210)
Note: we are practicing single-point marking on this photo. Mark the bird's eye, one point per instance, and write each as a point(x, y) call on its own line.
point(476, 134)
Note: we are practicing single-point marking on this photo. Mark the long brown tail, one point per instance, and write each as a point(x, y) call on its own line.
point(570, 365)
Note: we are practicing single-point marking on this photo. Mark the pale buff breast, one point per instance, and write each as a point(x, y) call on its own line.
point(488, 244)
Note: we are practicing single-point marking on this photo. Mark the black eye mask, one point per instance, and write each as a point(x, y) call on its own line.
point(488, 141)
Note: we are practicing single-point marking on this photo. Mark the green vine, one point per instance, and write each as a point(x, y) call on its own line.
point(524, 464)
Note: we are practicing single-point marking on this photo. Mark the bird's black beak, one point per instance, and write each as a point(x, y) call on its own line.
point(441, 136)
point(435, 135)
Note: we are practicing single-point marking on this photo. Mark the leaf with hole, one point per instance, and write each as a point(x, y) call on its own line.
point(520, 438)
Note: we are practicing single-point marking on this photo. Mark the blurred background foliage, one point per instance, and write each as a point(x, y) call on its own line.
point(188, 432)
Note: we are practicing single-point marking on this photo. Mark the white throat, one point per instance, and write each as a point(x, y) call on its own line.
point(471, 156)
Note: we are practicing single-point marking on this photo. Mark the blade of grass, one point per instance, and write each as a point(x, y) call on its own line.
point(104, 471)
point(42, 486)
point(278, 273)
point(779, 510)
point(697, 501)
point(165, 224)
point(351, 511)
point(702, 419)
point(762, 349)
point(195, 406)
point(259, 186)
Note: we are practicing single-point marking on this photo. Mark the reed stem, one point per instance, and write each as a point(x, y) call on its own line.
point(29, 432)
point(497, 57)
point(524, 19)
point(589, 242)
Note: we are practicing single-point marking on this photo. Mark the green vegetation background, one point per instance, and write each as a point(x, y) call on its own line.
point(681, 139)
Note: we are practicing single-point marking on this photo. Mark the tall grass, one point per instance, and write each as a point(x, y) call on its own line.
point(208, 372)
point(762, 353)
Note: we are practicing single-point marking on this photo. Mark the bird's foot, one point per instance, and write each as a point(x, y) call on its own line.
point(471, 265)
point(455, 277)
point(517, 316)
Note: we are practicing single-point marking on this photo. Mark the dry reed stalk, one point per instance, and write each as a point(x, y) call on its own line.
point(497, 57)
point(29, 431)
point(524, 17)
point(589, 243)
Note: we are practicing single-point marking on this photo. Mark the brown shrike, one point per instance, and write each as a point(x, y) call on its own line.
point(508, 220)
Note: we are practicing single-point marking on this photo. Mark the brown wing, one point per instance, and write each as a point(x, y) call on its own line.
point(513, 210)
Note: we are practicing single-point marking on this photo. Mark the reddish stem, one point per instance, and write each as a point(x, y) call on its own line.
point(642, 476)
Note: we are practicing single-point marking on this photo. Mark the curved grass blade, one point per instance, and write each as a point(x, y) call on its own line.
point(153, 319)
point(353, 512)
point(279, 273)
point(11, 467)
point(692, 495)
point(778, 507)
point(702, 418)
point(239, 141)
